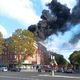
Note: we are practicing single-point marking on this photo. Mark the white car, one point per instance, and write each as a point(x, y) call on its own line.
point(69, 71)
point(4, 69)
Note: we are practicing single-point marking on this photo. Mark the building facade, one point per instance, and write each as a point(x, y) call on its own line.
point(40, 56)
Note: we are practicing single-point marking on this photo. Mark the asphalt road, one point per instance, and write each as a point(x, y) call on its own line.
point(37, 76)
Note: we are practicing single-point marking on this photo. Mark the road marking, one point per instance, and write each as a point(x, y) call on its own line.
point(10, 77)
point(71, 77)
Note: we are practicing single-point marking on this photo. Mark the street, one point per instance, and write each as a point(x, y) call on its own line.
point(37, 76)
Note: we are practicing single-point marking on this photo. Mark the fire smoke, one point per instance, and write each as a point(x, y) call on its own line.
point(56, 23)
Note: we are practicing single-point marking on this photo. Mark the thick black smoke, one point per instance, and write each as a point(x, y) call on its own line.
point(75, 39)
point(75, 19)
point(76, 13)
point(54, 20)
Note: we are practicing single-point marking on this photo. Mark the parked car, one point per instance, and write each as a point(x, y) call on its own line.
point(3, 69)
point(69, 71)
point(60, 70)
point(45, 68)
point(15, 69)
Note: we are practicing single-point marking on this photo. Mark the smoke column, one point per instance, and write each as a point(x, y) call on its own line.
point(59, 28)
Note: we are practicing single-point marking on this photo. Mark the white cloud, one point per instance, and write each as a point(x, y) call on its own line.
point(3, 31)
point(21, 10)
point(77, 47)
point(60, 43)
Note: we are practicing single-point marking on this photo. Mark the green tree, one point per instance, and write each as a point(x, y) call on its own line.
point(59, 59)
point(23, 44)
point(7, 49)
point(1, 43)
point(75, 57)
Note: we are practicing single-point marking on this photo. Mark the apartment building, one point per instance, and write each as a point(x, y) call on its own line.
point(40, 56)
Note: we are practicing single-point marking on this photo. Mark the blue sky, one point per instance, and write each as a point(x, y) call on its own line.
point(22, 13)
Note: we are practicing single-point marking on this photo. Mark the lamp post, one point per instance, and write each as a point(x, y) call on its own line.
point(52, 62)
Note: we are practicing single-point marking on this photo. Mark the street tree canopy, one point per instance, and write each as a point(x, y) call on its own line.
point(22, 43)
point(75, 57)
point(59, 59)
point(1, 42)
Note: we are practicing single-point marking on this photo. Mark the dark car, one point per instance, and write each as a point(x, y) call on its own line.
point(15, 69)
point(39, 68)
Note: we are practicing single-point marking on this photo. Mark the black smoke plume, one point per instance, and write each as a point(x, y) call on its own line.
point(75, 39)
point(54, 20)
point(76, 13)
point(75, 19)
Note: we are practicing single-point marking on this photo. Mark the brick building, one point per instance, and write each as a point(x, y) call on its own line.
point(40, 57)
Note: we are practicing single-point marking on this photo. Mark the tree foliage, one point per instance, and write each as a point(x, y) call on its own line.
point(59, 59)
point(1, 42)
point(22, 43)
point(75, 57)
